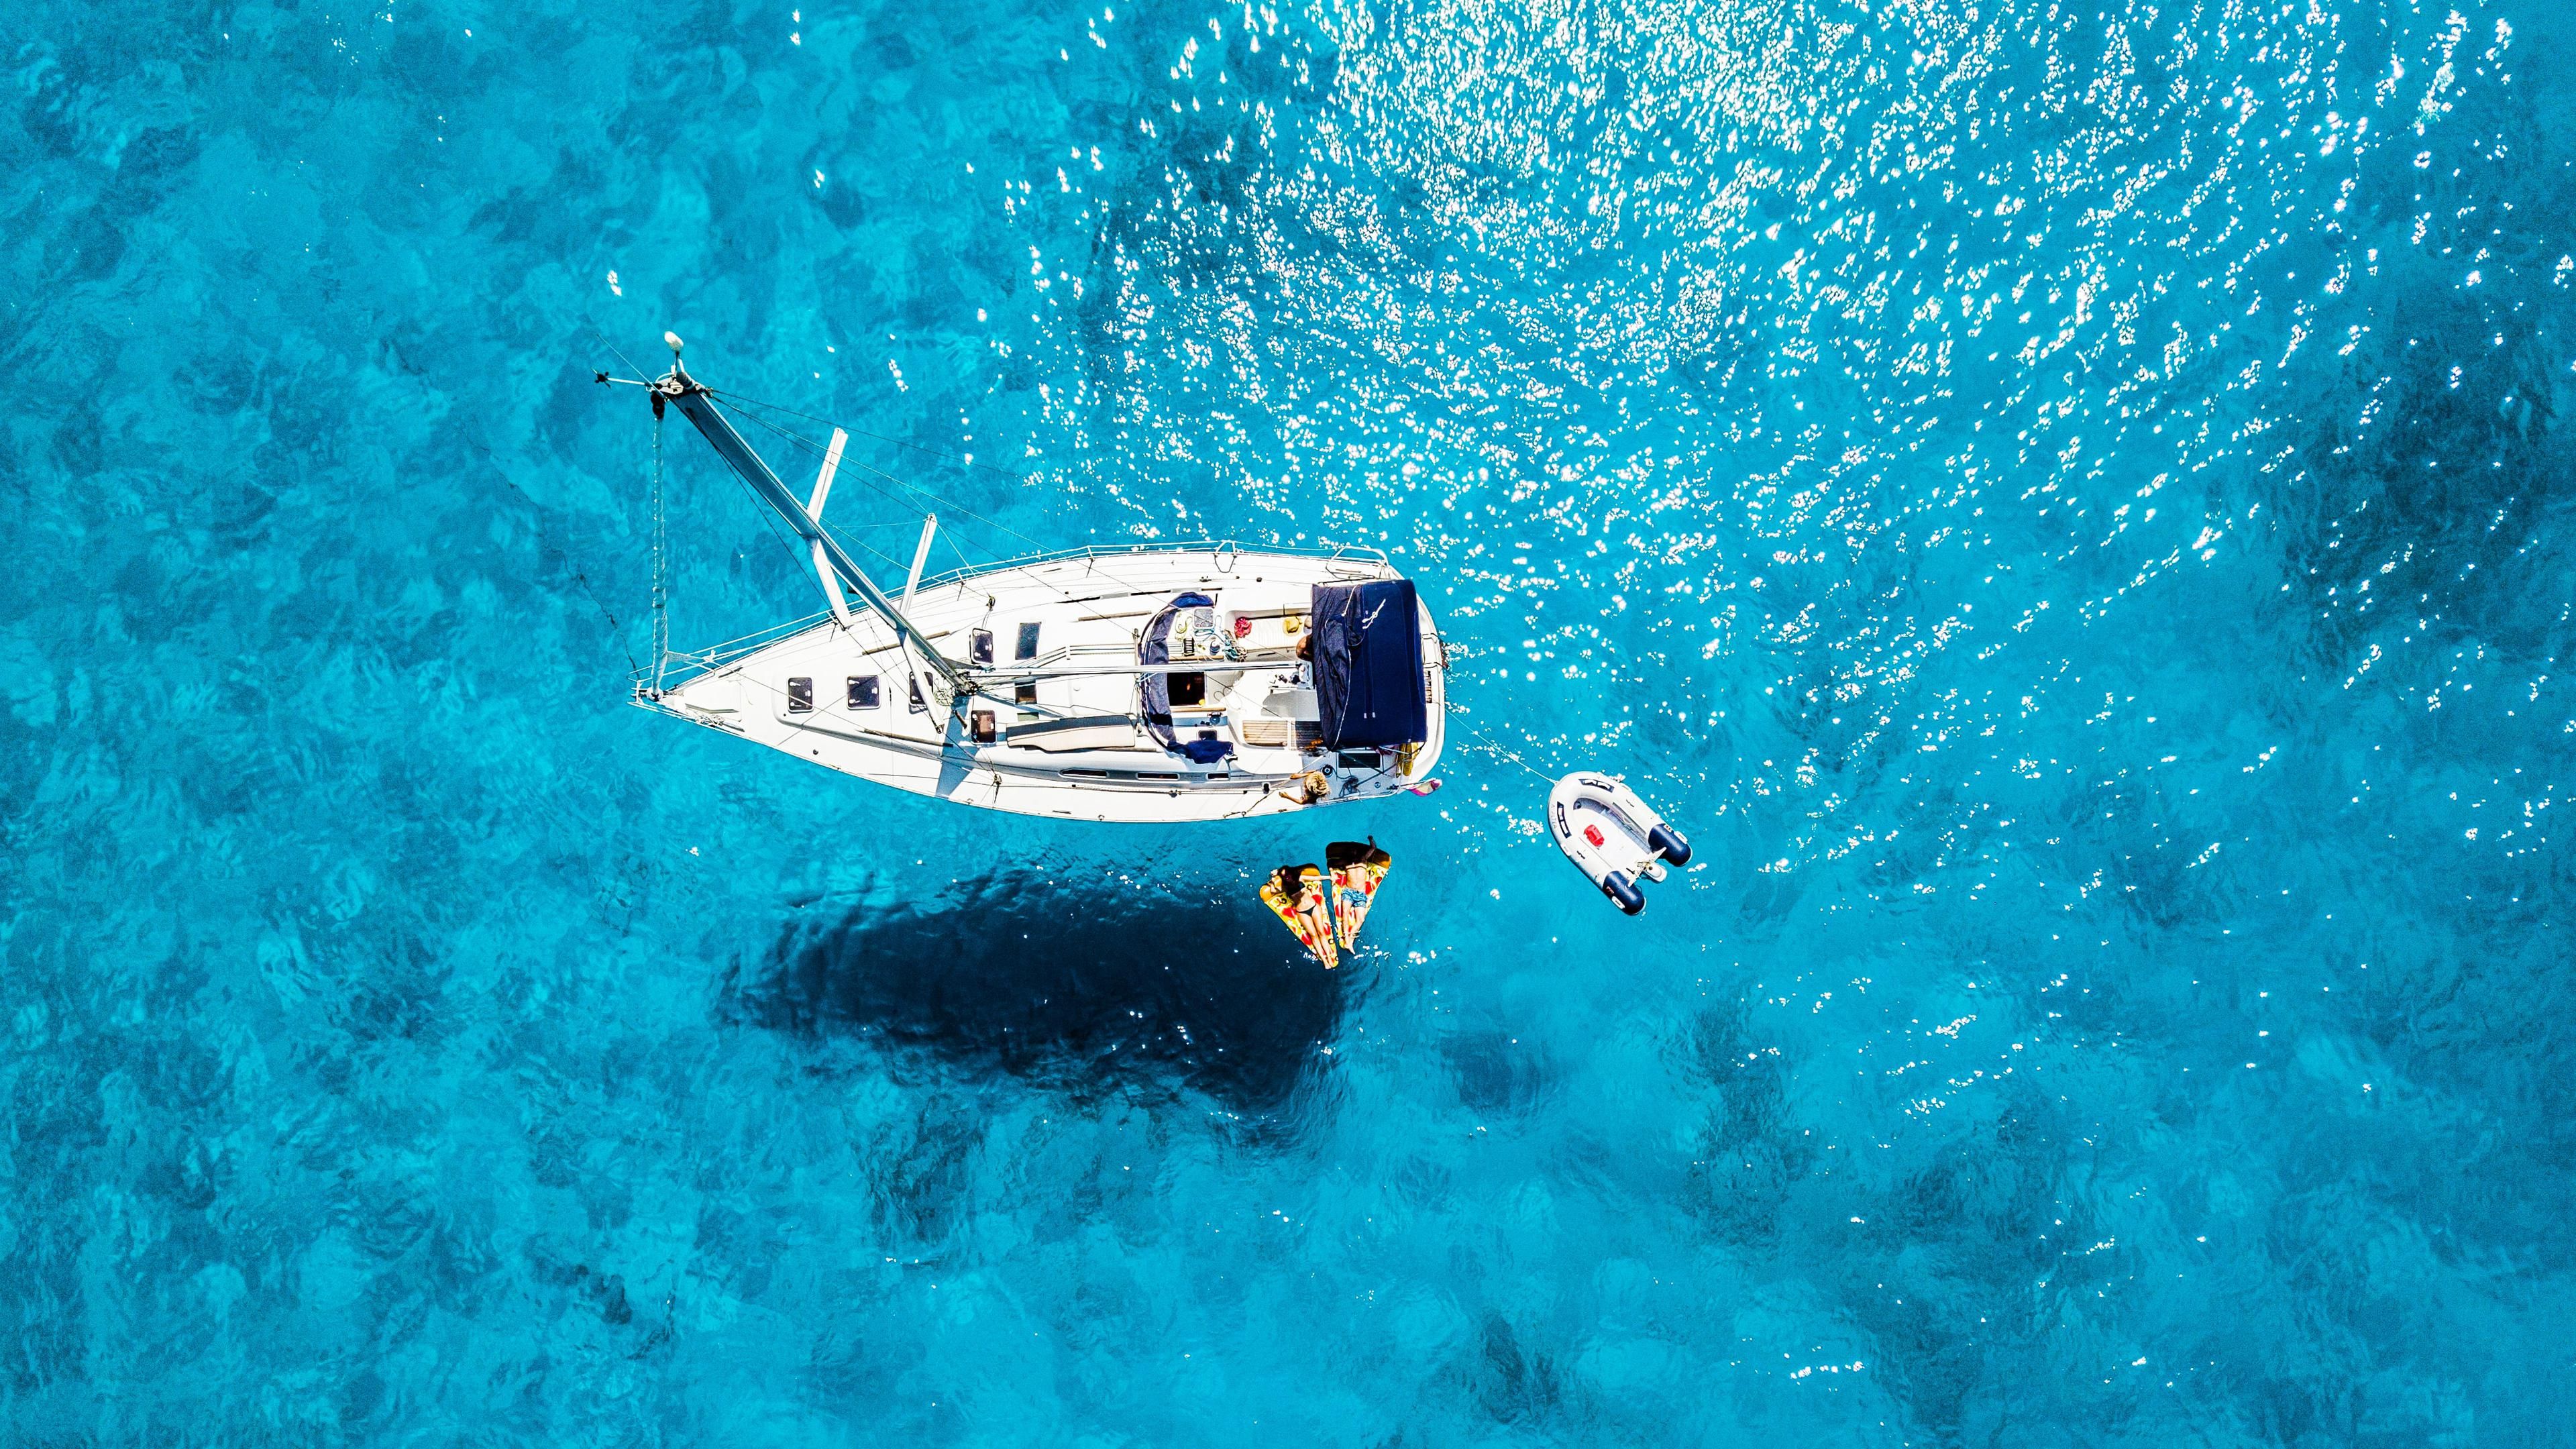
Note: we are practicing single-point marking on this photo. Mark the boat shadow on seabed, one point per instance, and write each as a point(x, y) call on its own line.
point(1077, 987)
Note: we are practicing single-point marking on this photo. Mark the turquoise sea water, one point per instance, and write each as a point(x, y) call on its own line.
point(2064, 503)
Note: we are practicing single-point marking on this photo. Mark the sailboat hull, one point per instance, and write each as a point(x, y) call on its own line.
point(1057, 726)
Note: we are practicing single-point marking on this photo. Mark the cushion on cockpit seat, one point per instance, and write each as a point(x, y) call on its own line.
point(1207, 749)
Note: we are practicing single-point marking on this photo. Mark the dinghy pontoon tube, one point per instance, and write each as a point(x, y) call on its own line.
point(1612, 836)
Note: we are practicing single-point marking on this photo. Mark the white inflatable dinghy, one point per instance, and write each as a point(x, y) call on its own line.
point(1612, 836)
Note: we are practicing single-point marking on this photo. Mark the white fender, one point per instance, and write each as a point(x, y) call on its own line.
point(1613, 837)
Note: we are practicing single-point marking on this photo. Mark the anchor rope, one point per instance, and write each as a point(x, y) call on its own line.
point(536, 521)
point(1501, 751)
point(1496, 748)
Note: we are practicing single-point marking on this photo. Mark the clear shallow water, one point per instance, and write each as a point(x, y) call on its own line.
point(2065, 505)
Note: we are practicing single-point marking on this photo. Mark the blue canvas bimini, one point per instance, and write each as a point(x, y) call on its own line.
point(1368, 664)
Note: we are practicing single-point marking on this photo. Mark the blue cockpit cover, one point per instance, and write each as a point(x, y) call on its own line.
point(1368, 663)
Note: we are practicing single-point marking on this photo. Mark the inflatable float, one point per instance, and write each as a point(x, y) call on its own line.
point(1612, 836)
point(1300, 897)
point(1356, 870)
point(1324, 908)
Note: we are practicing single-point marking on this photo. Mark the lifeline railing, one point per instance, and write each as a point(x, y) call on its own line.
point(1219, 546)
point(679, 668)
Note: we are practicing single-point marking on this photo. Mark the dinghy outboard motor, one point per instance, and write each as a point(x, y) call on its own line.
point(1612, 836)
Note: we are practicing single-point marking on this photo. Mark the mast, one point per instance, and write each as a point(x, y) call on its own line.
point(697, 404)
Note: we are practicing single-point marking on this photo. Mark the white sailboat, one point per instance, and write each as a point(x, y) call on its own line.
point(1159, 683)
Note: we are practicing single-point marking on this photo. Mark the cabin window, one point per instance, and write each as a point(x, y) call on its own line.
point(979, 646)
point(800, 695)
point(1188, 688)
point(863, 691)
point(981, 723)
point(919, 705)
point(1027, 648)
point(1025, 692)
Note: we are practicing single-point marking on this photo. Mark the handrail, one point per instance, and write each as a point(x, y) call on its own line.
point(1196, 545)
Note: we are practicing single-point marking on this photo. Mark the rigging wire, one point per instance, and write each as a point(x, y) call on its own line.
point(942, 501)
point(949, 504)
point(613, 347)
point(960, 461)
point(769, 520)
point(804, 558)
point(743, 406)
point(810, 446)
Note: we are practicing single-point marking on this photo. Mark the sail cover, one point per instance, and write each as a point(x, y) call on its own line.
point(1368, 663)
